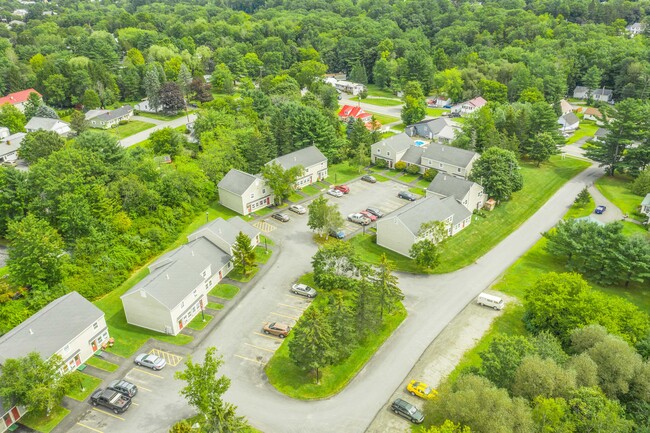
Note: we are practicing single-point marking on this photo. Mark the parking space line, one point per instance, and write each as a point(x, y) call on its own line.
point(264, 335)
point(171, 358)
point(291, 306)
point(89, 428)
point(298, 297)
point(264, 226)
point(249, 359)
point(284, 315)
point(258, 347)
point(108, 413)
point(150, 374)
point(134, 403)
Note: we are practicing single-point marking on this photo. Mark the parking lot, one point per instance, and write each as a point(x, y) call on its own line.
point(102, 420)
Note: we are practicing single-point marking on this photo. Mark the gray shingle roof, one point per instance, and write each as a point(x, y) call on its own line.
point(177, 273)
point(437, 125)
point(237, 182)
point(398, 143)
point(431, 209)
point(51, 328)
point(601, 132)
point(45, 123)
point(306, 157)
point(646, 200)
point(450, 186)
point(11, 143)
point(570, 118)
point(227, 230)
point(108, 115)
point(449, 155)
point(413, 155)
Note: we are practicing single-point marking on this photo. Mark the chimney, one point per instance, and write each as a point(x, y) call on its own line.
point(31, 332)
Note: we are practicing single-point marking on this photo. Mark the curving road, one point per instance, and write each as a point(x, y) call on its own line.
point(432, 302)
point(143, 135)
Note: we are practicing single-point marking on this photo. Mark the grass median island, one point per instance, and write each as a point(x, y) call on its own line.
point(297, 383)
point(45, 423)
point(102, 364)
point(587, 128)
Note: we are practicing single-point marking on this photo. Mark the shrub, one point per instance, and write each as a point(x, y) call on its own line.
point(400, 166)
point(429, 174)
point(413, 169)
point(381, 163)
point(123, 122)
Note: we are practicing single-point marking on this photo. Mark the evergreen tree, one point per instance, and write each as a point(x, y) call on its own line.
point(543, 147)
point(151, 86)
point(31, 105)
point(243, 253)
point(358, 73)
point(45, 111)
point(388, 292)
point(78, 122)
point(312, 345)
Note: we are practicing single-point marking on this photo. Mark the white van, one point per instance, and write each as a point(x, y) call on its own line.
point(490, 301)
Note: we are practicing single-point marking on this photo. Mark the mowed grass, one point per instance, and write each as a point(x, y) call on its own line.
point(164, 117)
point(214, 306)
point(102, 364)
point(200, 321)
point(311, 190)
point(343, 172)
point(131, 128)
point(297, 383)
point(374, 90)
point(225, 291)
point(382, 102)
point(85, 386)
point(367, 248)
point(43, 423)
point(436, 112)
point(540, 183)
point(587, 128)
point(384, 119)
point(617, 190)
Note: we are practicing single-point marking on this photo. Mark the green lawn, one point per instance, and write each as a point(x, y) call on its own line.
point(264, 211)
point(342, 173)
point(423, 183)
point(214, 306)
point(484, 233)
point(295, 197)
point(417, 190)
point(262, 255)
point(295, 382)
point(384, 119)
point(387, 134)
point(578, 212)
point(616, 189)
point(225, 291)
point(380, 178)
point(102, 364)
point(373, 90)
point(311, 190)
point(4, 271)
point(367, 248)
point(382, 102)
point(408, 178)
point(200, 322)
point(86, 385)
point(42, 423)
point(436, 112)
point(393, 173)
point(398, 127)
point(131, 128)
point(587, 129)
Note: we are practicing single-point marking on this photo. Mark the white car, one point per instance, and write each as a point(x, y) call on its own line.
point(298, 209)
point(335, 193)
point(303, 290)
point(359, 219)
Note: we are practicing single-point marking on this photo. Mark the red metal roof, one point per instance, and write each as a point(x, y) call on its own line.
point(353, 111)
point(17, 97)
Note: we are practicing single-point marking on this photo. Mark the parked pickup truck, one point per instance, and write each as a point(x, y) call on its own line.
point(111, 399)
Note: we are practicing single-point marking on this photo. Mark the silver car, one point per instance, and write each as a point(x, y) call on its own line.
point(359, 219)
point(150, 361)
point(304, 290)
point(299, 209)
point(335, 193)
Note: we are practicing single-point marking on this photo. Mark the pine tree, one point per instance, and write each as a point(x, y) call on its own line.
point(312, 346)
point(32, 104)
point(151, 85)
point(243, 253)
point(388, 291)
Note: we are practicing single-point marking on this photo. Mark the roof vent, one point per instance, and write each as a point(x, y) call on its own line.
point(192, 253)
point(444, 178)
point(31, 332)
point(167, 275)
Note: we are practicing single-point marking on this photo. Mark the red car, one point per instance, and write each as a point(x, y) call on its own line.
point(368, 215)
point(343, 188)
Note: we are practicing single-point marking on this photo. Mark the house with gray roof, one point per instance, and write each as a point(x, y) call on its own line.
point(47, 124)
point(244, 193)
point(312, 161)
point(448, 159)
point(176, 289)
point(9, 147)
point(391, 149)
point(603, 94)
point(104, 119)
point(70, 326)
point(441, 129)
point(600, 134)
point(466, 192)
point(645, 205)
point(636, 29)
point(569, 122)
point(401, 230)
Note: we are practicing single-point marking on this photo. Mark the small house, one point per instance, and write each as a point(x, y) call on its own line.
point(645, 205)
point(47, 124)
point(105, 119)
point(635, 29)
point(312, 161)
point(441, 130)
point(568, 122)
point(244, 193)
point(349, 87)
point(18, 99)
point(466, 192)
point(469, 107)
point(9, 147)
point(592, 113)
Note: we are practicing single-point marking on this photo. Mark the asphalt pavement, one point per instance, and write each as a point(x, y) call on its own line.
point(142, 136)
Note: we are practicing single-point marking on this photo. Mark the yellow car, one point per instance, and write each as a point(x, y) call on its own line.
point(422, 390)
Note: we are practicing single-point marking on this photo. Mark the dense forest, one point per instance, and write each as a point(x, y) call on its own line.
point(88, 211)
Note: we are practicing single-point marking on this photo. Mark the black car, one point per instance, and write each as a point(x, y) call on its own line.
point(113, 400)
point(405, 409)
point(281, 217)
point(369, 178)
point(407, 195)
point(123, 387)
point(376, 212)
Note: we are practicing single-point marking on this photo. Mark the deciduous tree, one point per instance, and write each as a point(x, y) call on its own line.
point(78, 122)
point(388, 291)
point(12, 118)
point(281, 181)
point(498, 171)
point(39, 144)
point(171, 97)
